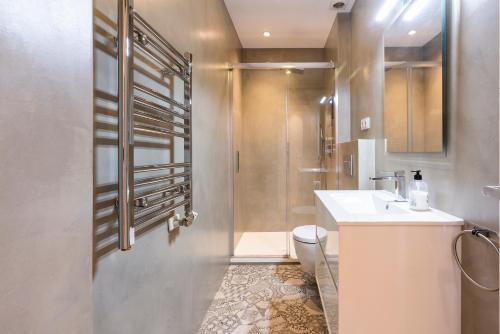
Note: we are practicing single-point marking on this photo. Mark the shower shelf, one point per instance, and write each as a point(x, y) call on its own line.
point(150, 109)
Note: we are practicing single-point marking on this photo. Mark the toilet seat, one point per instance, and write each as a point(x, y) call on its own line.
point(307, 234)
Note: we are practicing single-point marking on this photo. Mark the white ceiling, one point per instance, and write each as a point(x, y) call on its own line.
point(427, 24)
point(292, 23)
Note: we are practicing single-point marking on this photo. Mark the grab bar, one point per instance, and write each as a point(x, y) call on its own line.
point(480, 233)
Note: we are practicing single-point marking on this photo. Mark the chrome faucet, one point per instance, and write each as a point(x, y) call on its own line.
point(399, 186)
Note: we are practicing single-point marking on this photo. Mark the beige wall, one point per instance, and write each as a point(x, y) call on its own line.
point(262, 176)
point(46, 178)
point(471, 161)
point(338, 50)
point(167, 281)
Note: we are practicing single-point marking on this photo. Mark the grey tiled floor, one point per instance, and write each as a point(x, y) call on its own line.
point(258, 299)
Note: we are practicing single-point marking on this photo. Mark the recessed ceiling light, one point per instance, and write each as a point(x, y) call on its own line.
point(412, 32)
point(266, 34)
point(288, 72)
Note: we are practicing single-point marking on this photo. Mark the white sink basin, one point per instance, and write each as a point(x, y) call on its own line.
point(378, 207)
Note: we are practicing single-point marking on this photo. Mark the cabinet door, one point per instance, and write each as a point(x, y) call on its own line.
point(327, 289)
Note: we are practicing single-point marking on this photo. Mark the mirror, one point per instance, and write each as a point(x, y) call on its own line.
point(414, 99)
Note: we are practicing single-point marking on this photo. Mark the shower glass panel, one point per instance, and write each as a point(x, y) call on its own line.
point(306, 144)
point(260, 227)
point(278, 149)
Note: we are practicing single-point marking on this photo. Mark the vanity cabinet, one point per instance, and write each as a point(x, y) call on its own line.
point(383, 272)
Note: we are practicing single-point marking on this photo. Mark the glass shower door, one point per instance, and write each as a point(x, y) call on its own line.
point(306, 140)
point(260, 180)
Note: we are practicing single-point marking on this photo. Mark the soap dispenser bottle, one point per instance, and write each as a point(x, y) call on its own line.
point(418, 193)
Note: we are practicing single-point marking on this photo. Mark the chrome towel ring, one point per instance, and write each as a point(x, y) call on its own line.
point(480, 233)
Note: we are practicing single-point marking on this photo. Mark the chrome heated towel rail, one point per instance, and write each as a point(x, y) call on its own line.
point(151, 111)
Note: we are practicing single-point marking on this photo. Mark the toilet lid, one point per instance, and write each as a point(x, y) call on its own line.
point(307, 233)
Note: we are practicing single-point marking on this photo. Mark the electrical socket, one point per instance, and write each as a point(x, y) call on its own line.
point(365, 123)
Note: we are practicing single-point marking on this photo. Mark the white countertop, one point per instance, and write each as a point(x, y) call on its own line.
point(377, 207)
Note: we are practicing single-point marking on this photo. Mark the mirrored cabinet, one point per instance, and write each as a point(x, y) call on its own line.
point(414, 80)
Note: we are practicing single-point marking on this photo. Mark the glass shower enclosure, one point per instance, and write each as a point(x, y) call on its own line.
point(281, 136)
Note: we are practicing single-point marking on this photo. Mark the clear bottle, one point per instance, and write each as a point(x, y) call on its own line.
point(418, 193)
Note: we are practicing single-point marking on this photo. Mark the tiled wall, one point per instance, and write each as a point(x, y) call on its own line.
point(46, 174)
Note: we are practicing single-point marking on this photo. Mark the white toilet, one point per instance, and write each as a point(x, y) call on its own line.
point(304, 239)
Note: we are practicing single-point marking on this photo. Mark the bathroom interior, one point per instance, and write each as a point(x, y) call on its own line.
point(236, 166)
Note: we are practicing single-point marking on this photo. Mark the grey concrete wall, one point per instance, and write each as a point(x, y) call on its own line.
point(167, 281)
point(46, 173)
point(471, 161)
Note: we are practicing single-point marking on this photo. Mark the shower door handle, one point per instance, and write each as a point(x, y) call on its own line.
point(237, 161)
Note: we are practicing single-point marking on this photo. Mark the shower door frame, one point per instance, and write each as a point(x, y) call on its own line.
point(289, 66)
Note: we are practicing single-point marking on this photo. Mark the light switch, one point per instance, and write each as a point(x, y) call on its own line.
point(365, 123)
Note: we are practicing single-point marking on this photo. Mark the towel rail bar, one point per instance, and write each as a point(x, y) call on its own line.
point(146, 209)
point(151, 168)
point(158, 130)
point(125, 132)
point(160, 61)
point(160, 38)
point(160, 214)
point(160, 96)
point(162, 190)
point(140, 102)
point(142, 201)
point(145, 115)
point(159, 179)
point(153, 206)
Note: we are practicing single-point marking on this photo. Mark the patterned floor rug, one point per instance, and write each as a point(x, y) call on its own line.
point(265, 299)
